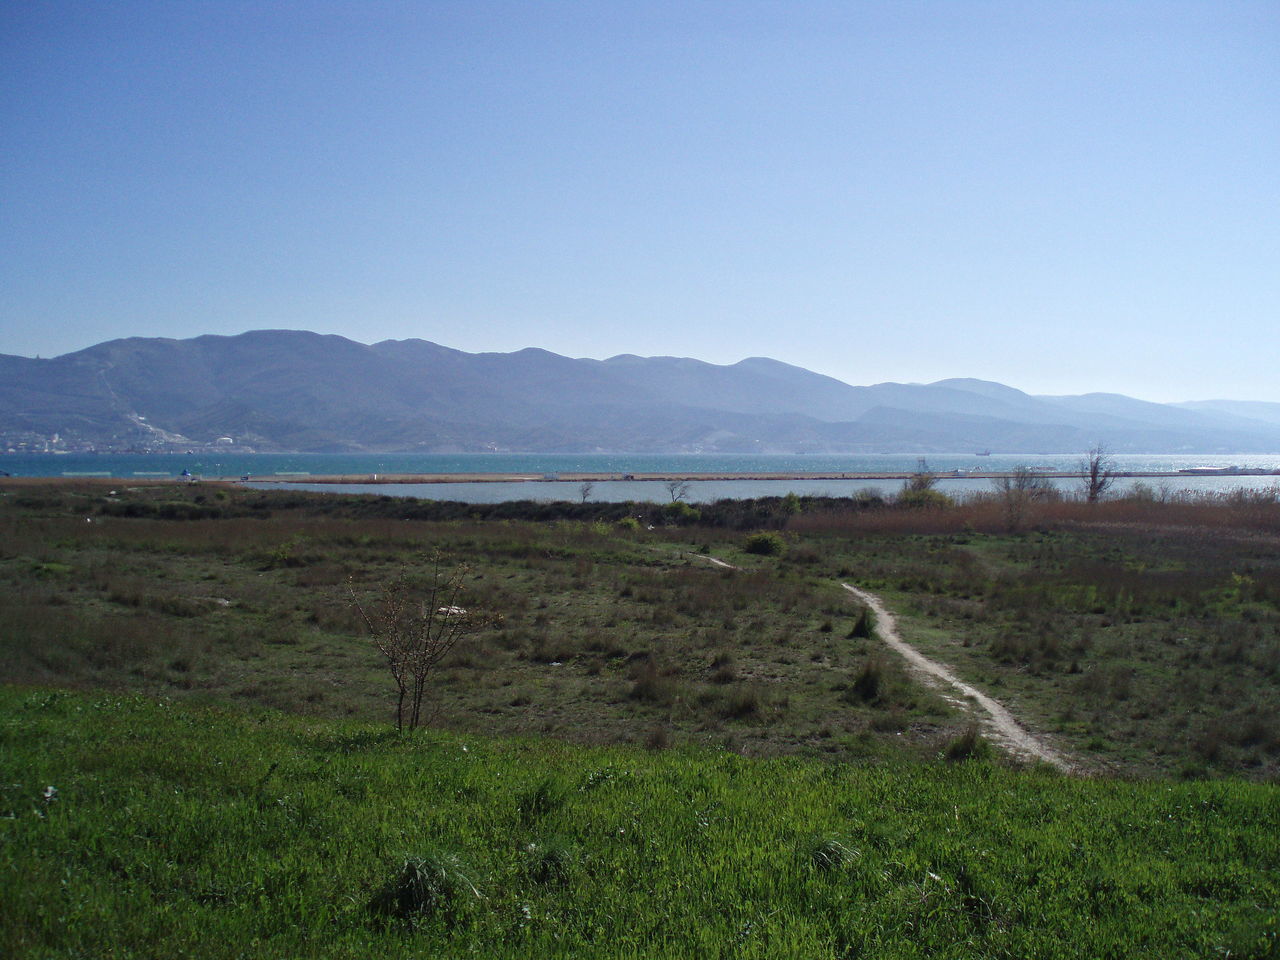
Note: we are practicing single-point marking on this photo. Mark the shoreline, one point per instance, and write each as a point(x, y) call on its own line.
point(716, 477)
point(400, 479)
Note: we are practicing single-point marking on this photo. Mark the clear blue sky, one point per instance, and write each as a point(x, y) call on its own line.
point(1062, 196)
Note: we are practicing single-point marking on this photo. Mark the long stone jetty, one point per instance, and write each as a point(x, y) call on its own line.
point(397, 478)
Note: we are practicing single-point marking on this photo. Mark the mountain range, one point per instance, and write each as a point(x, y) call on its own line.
point(286, 390)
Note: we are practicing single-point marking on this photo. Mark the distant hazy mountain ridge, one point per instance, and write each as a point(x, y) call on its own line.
point(292, 390)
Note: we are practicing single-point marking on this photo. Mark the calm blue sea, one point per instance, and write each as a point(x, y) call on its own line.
point(268, 469)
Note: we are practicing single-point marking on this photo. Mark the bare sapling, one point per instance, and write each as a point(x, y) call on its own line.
point(414, 628)
point(1097, 473)
point(1020, 488)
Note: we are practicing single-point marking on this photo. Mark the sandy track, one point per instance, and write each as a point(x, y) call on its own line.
point(714, 562)
point(999, 722)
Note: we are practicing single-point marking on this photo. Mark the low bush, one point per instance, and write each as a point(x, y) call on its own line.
point(765, 544)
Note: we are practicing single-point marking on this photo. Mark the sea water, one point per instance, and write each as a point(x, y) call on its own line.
point(272, 469)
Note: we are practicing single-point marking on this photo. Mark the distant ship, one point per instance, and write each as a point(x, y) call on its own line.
point(983, 453)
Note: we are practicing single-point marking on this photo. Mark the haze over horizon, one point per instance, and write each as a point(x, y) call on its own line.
point(1064, 199)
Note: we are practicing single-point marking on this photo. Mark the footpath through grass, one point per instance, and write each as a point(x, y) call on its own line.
point(175, 831)
point(1142, 637)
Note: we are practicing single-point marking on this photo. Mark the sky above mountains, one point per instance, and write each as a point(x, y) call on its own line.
point(1063, 197)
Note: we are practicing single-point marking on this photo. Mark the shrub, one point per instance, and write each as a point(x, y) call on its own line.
point(765, 544)
point(415, 629)
point(922, 499)
point(680, 513)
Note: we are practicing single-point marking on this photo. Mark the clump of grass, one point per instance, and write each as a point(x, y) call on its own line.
point(864, 627)
point(970, 745)
point(659, 738)
point(869, 684)
point(51, 569)
point(651, 684)
point(742, 702)
point(435, 884)
point(724, 668)
point(544, 797)
point(549, 861)
point(827, 852)
point(893, 720)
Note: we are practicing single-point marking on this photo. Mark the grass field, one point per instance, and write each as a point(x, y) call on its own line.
point(643, 755)
point(1144, 638)
point(207, 833)
point(608, 634)
point(1144, 648)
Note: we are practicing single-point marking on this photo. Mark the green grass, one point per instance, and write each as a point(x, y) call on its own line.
point(713, 763)
point(198, 832)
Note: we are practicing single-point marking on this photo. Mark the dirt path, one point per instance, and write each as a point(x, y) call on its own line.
point(714, 562)
point(1000, 724)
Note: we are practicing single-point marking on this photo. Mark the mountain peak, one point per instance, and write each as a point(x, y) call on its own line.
point(983, 388)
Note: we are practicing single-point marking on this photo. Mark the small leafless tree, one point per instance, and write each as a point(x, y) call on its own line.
point(679, 489)
point(1097, 472)
point(414, 628)
point(1018, 489)
point(922, 481)
point(585, 488)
